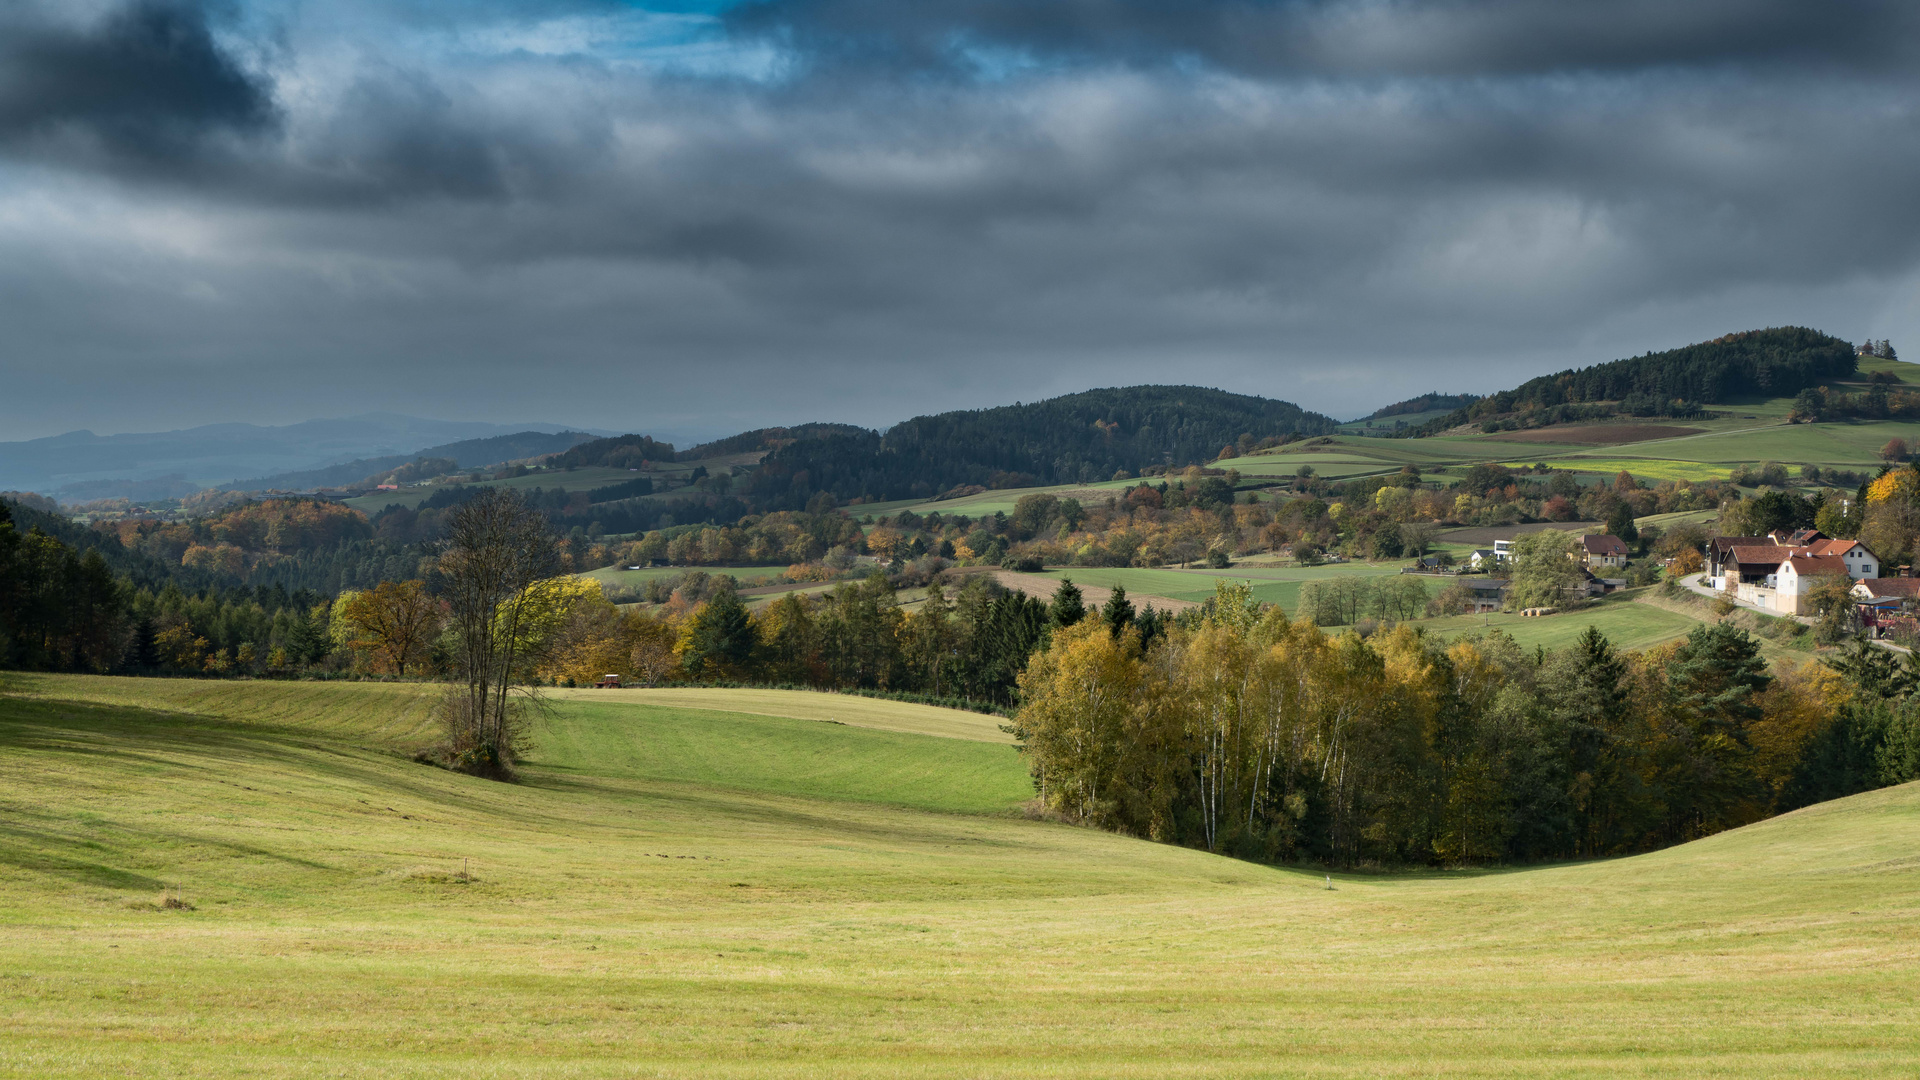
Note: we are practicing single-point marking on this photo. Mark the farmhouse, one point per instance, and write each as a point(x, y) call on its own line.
point(1481, 559)
point(1776, 576)
point(1487, 594)
point(1602, 549)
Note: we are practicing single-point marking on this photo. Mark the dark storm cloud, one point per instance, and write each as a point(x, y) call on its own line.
point(1349, 37)
point(1020, 199)
point(145, 80)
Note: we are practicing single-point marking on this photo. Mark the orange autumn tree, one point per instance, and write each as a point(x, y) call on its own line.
point(395, 620)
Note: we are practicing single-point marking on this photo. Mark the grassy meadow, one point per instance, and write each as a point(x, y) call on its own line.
point(678, 890)
point(1271, 584)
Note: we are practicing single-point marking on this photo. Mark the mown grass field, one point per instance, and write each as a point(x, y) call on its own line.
point(1627, 624)
point(1271, 584)
point(644, 905)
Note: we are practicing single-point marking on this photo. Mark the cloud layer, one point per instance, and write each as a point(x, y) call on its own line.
point(694, 221)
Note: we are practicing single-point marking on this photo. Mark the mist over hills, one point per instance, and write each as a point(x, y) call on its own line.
point(467, 454)
point(82, 465)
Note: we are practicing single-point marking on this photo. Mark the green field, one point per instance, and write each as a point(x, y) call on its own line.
point(680, 892)
point(1628, 625)
point(1272, 585)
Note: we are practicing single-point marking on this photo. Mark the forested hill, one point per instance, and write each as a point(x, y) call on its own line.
point(1074, 439)
point(771, 438)
point(1423, 403)
point(1776, 362)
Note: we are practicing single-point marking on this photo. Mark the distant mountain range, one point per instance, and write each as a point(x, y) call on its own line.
point(80, 465)
point(467, 454)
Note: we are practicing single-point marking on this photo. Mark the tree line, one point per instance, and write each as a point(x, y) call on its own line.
point(1776, 362)
point(1246, 733)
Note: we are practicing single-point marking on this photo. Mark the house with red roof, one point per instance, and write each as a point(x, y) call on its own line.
point(1776, 576)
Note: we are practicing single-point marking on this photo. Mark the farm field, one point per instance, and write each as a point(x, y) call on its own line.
point(852, 709)
point(1273, 585)
point(1627, 624)
point(697, 908)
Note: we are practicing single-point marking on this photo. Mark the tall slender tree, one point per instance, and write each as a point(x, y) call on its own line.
point(500, 553)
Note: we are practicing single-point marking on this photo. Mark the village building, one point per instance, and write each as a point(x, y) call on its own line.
point(1485, 594)
point(1775, 576)
point(1602, 550)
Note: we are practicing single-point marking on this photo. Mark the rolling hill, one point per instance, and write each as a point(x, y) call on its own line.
point(274, 889)
point(1756, 364)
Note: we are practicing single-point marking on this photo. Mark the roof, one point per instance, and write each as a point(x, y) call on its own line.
point(1892, 586)
point(1721, 544)
point(1603, 544)
point(1836, 547)
point(1816, 564)
point(1760, 554)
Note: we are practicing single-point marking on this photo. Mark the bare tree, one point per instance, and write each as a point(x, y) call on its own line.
point(500, 556)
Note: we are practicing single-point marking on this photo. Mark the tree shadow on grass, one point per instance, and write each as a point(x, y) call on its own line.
point(25, 858)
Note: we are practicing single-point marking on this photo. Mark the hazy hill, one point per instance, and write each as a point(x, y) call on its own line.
point(217, 453)
point(467, 453)
point(1776, 362)
point(1425, 403)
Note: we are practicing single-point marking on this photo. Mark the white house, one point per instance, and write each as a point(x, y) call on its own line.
point(1797, 576)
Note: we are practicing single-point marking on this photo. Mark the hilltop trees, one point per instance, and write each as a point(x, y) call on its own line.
point(1776, 362)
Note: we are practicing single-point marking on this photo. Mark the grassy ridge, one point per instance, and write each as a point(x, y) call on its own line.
point(882, 715)
point(822, 759)
point(622, 925)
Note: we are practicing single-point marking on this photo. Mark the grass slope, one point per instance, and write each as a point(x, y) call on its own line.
point(1273, 585)
point(1627, 625)
point(629, 917)
point(876, 713)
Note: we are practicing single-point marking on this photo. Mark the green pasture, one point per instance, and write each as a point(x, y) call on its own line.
point(695, 893)
point(1273, 585)
point(879, 714)
point(1641, 468)
point(819, 759)
point(1628, 625)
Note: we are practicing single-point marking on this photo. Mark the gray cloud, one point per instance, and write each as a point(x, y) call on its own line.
point(146, 81)
point(1364, 202)
point(1347, 37)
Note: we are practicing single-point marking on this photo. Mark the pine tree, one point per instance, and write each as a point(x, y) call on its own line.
point(721, 635)
point(1620, 523)
point(1118, 611)
point(1068, 606)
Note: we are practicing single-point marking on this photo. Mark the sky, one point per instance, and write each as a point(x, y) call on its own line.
point(691, 218)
